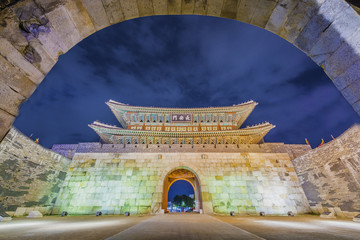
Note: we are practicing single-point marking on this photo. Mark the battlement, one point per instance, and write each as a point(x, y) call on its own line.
point(68, 150)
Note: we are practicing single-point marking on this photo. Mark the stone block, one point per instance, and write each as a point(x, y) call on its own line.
point(300, 16)
point(44, 210)
point(262, 12)
point(356, 106)
point(187, 7)
point(338, 212)
point(113, 10)
point(349, 76)
point(15, 58)
point(174, 7)
point(160, 7)
point(207, 207)
point(11, 100)
point(10, 28)
point(15, 78)
point(48, 5)
point(352, 92)
point(130, 9)
point(6, 120)
point(97, 13)
point(318, 24)
point(10, 213)
point(46, 62)
point(20, 211)
point(24, 41)
point(229, 9)
point(200, 7)
point(29, 209)
point(80, 17)
point(145, 8)
point(35, 214)
point(214, 7)
point(330, 214)
point(64, 26)
point(344, 57)
point(52, 43)
point(279, 15)
point(332, 37)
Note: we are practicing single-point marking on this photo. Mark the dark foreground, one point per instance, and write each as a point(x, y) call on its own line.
point(179, 226)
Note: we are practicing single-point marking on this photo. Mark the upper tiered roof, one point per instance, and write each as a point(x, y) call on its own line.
point(123, 112)
point(212, 125)
point(234, 108)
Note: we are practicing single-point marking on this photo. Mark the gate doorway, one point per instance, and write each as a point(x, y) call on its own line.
point(186, 175)
point(181, 196)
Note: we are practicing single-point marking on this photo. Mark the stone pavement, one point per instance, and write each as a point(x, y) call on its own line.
point(183, 226)
point(68, 228)
point(296, 228)
point(179, 226)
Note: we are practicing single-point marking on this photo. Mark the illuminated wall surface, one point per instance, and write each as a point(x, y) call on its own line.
point(246, 183)
point(246, 179)
point(30, 176)
point(330, 175)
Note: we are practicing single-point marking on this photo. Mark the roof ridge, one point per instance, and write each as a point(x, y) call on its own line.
point(163, 108)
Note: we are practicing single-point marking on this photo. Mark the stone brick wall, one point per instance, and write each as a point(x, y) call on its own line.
point(330, 174)
point(30, 175)
point(244, 182)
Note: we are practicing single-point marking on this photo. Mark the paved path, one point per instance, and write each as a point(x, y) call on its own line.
point(307, 227)
point(179, 226)
point(67, 228)
point(183, 226)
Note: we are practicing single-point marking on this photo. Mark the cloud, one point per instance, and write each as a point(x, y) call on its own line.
point(185, 61)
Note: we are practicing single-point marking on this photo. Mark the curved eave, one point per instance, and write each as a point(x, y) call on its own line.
point(128, 108)
point(261, 129)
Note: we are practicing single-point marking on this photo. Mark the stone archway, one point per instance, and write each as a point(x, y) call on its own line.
point(34, 33)
point(182, 173)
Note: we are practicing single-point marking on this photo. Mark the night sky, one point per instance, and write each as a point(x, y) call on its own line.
point(186, 61)
point(180, 187)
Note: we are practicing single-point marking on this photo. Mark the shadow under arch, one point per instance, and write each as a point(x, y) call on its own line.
point(28, 51)
point(182, 173)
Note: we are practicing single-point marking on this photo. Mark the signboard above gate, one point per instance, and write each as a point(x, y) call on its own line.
point(175, 117)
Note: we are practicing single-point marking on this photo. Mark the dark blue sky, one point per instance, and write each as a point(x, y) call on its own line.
point(180, 187)
point(186, 61)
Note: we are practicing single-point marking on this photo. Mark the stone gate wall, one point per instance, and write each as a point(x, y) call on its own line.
point(330, 174)
point(244, 182)
point(30, 175)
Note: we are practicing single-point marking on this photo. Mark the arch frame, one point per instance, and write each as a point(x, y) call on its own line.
point(180, 179)
point(196, 185)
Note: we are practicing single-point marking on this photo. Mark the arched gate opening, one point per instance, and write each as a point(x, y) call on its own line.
point(188, 175)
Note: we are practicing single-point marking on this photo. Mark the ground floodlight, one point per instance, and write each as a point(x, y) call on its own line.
point(291, 214)
point(232, 213)
point(64, 213)
point(357, 218)
point(262, 214)
point(98, 213)
point(127, 214)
